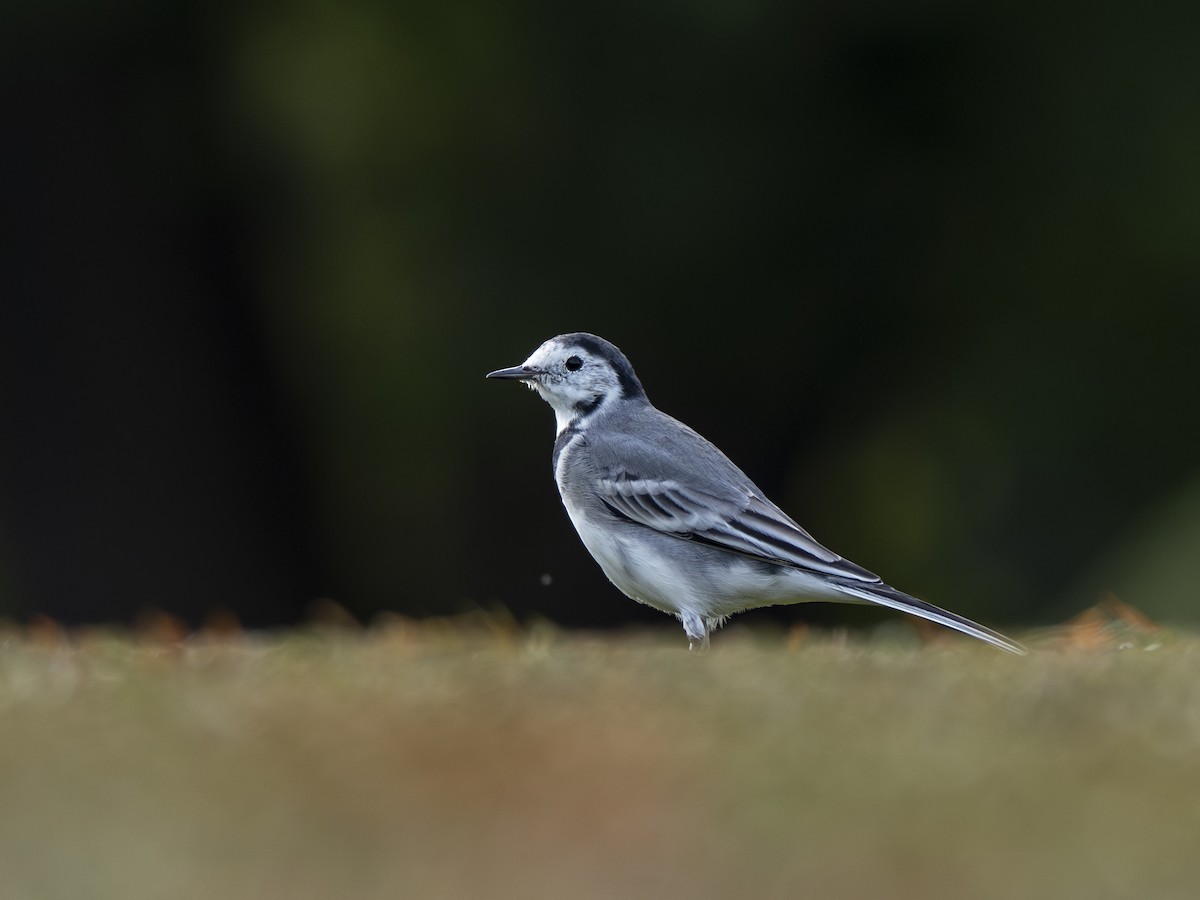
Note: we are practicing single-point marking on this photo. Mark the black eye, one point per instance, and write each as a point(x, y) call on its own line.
point(574, 363)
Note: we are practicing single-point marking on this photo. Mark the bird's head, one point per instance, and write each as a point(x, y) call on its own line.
point(577, 374)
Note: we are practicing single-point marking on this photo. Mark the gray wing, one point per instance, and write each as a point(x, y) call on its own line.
point(706, 499)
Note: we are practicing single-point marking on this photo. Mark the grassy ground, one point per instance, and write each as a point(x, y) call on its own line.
point(441, 761)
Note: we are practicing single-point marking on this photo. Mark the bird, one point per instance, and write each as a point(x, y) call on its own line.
point(672, 522)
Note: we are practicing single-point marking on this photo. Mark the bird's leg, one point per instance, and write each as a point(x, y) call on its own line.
point(696, 629)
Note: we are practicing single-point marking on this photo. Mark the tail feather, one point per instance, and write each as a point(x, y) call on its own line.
point(885, 595)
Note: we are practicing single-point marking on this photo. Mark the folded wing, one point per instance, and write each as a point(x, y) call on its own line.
point(737, 520)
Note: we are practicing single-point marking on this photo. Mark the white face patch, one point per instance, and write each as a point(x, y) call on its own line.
point(570, 391)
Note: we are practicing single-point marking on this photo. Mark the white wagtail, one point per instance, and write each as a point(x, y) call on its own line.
point(673, 523)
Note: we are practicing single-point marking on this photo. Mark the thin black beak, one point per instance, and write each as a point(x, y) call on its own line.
point(520, 373)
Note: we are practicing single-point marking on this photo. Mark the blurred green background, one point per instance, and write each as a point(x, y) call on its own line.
point(929, 273)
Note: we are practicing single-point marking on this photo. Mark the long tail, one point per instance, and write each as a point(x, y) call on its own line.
point(885, 595)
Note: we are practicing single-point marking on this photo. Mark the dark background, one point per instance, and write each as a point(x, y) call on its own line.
point(928, 272)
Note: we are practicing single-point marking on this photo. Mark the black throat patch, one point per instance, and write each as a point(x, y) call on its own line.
point(583, 408)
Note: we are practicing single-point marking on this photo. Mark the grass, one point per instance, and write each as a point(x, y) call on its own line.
point(447, 761)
